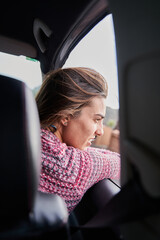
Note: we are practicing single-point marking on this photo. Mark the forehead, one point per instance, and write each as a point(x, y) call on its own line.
point(97, 106)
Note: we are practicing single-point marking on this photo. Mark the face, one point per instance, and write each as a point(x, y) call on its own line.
point(81, 131)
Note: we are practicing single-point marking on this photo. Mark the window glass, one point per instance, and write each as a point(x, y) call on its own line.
point(22, 68)
point(97, 50)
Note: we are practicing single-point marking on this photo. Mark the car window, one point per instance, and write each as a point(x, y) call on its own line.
point(97, 50)
point(23, 68)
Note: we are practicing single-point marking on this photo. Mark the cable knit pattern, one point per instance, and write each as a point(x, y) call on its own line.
point(69, 172)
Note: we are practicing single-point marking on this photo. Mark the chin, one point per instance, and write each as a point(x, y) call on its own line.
point(81, 147)
point(85, 147)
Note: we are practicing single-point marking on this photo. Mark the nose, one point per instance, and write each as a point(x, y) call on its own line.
point(99, 131)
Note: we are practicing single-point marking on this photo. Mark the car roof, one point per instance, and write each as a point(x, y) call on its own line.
point(32, 29)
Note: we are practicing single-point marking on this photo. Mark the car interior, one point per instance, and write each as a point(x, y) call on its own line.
point(48, 31)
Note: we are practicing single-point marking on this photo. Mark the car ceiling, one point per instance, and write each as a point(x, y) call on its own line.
point(47, 30)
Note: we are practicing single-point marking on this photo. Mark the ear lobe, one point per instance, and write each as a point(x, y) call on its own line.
point(64, 121)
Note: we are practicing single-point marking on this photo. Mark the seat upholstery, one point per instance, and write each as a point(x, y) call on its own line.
point(24, 211)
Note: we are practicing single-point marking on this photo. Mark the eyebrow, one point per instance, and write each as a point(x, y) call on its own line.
point(100, 115)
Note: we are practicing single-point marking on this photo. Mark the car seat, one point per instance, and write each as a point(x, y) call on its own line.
point(137, 37)
point(25, 213)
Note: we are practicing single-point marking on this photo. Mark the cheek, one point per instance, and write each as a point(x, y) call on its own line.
point(86, 127)
point(86, 131)
point(77, 133)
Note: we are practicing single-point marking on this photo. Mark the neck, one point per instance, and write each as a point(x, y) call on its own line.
point(58, 134)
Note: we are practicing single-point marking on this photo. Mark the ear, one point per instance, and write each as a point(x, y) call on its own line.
point(65, 121)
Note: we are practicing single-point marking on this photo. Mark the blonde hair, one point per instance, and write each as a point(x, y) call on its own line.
point(67, 91)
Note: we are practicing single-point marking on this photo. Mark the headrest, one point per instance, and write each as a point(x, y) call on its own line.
point(19, 149)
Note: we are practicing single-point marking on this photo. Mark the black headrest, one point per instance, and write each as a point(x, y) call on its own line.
point(19, 149)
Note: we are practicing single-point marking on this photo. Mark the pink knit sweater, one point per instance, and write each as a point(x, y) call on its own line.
point(69, 172)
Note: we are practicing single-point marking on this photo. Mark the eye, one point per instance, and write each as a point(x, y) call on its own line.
point(98, 120)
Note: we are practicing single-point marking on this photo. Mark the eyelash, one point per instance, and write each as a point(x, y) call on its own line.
point(97, 120)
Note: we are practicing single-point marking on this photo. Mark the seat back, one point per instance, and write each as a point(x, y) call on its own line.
point(138, 53)
point(20, 150)
point(25, 213)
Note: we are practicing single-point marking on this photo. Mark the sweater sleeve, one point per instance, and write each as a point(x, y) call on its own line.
point(106, 162)
point(70, 172)
point(81, 168)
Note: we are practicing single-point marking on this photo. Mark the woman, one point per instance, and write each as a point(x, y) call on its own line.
point(71, 105)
